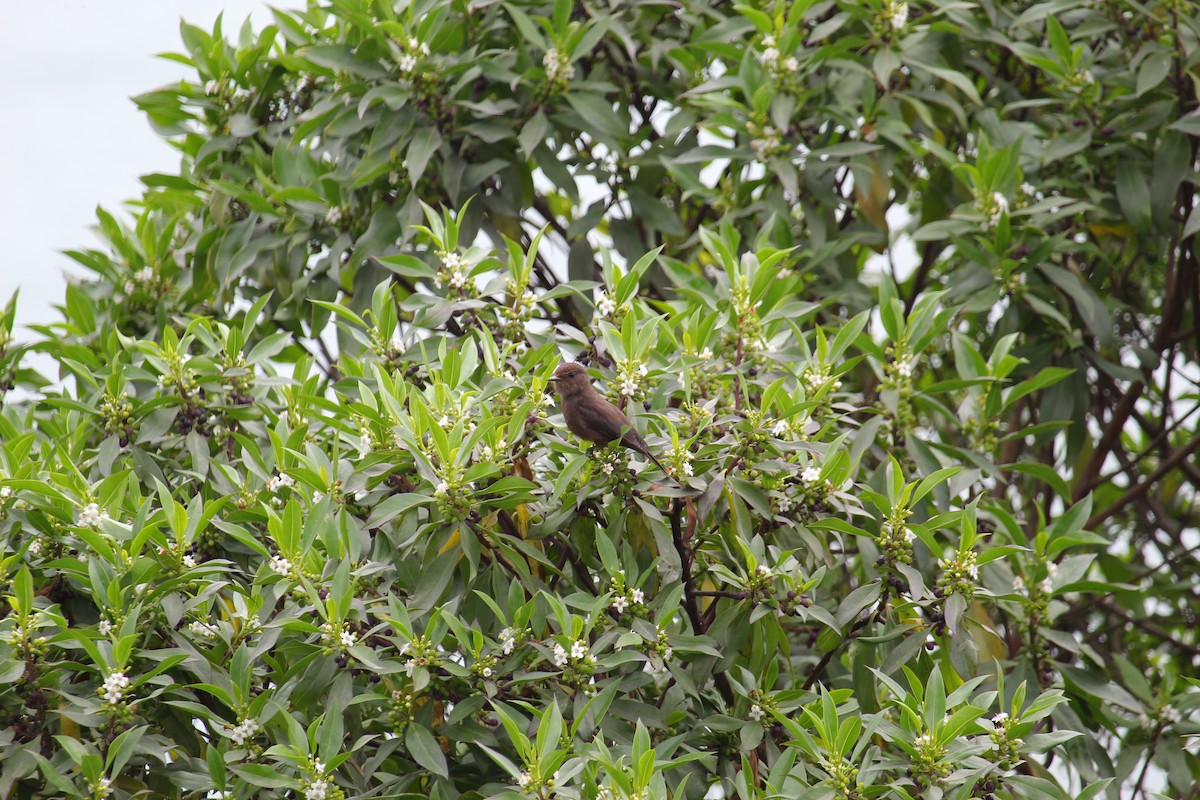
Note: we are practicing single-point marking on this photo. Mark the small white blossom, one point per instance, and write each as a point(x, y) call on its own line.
point(560, 655)
point(923, 741)
point(756, 712)
point(243, 732)
point(487, 672)
point(1019, 585)
point(280, 481)
point(909, 534)
point(407, 63)
point(217, 794)
point(629, 387)
point(90, 515)
point(364, 442)
point(1028, 189)
point(791, 64)
point(904, 367)
point(317, 790)
point(1000, 200)
point(189, 560)
point(706, 354)
point(114, 687)
point(1000, 719)
point(211, 87)
point(5, 492)
point(445, 421)
point(508, 638)
point(334, 215)
point(441, 490)
point(810, 475)
point(620, 603)
point(973, 571)
point(144, 275)
point(318, 496)
point(769, 55)
point(899, 14)
point(764, 570)
point(281, 565)
point(643, 369)
point(1051, 569)
point(1046, 586)
point(204, 629)
point(102, 787)
point(35, 547)
point(104, 627)
point(1169, 714)
point(638, 597)
point(348, 639)
point(768, 41)
point(523, 780)
point(604, 304)
point(766, 144)
point(578, 650)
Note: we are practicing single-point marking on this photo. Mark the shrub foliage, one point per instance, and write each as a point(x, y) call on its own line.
point(903, 294)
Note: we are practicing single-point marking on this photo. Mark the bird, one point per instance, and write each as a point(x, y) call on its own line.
point(590, 416)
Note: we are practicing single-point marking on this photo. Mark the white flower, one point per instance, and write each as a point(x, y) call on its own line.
point(318, 496)
point(620, 603)
point(578, 650)
point(105, 627)
point(217, 794)
point(560, 655)
point(909, 535)
point(280, 481)
point(643, 369)
point(1000, 719)
point(243, 732)
point(629, 387)
point(452, 261)
point(188, 560)
point(348, 639)
point(445, 421)
point(791, 64)
point(211, 87)
point(1051, 569)
point(904, 367)
point(487, 672)
point(316, 790)
point(810, 475)
point(457, 280)
point(923, 741)
point(115, 685)
point(523, 780)
point(768, 41)
point(281, 565)
point(144, 275)
point(1045, 586)
point(1169, 714)
point(557, 66)
point(90, 515)
point(766, 144)
point(441, 490)
point(1000, 200)
point(604, 304)
point(686, 468)
point(334, 215)
point(756, 712)
point(899, 14)
point(769, 55)
point(1028, 189)
point(638, 597)
point(5, 492)
point(35, 547)
point(764, 570)
point(973, 570)
point(667, 654)
point(102, 788)
point(508, 638)
point(364, 442)
point(199, 628)
point(130, 288)
point(408, 63)
point(706, 354)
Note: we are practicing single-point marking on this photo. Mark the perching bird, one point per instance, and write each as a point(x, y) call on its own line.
point(590, 416)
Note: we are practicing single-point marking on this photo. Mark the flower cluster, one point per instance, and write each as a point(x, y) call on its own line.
point(779, 65)
point(765, 141)
point(336, 638)
point(843, 777)
point(142, 281)
point(991, 206)
point(91, 515)
point(578, 658)
point(280, 481)
point(455, 272)
point(281, 565)
point(243, 732)
point(630, 378)
point(1006, 752)
point(509, 638)
point(454, 498)
point(114, 687)
point(605, 306)
point(626, 599)
point(895, 14)
point(960, 574)
point(895, 541)
point(928, 764)
point(411, 57)
point(559, 70)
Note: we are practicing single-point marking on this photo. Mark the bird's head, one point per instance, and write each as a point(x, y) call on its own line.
point(571, 378)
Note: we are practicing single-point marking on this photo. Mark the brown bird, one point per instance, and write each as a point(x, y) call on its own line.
point(591, 417)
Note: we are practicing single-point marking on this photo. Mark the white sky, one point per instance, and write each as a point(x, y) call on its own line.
point(71, 138)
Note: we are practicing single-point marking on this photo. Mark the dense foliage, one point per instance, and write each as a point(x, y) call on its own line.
point(903, 294)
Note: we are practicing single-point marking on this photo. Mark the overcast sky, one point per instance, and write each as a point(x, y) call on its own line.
point(71, 137)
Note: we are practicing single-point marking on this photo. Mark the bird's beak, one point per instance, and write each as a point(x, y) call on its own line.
point(553, 379)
